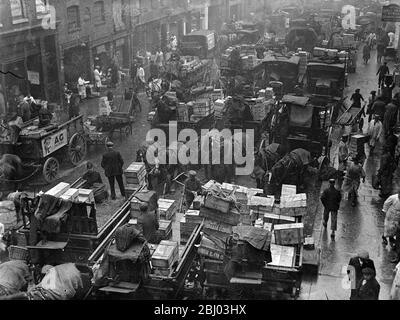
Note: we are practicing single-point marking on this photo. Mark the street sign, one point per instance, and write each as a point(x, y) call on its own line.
point(391, 13)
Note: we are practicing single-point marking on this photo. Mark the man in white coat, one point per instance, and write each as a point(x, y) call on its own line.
point(375, 130)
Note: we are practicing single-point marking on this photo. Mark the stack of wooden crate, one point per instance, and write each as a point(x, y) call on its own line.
point(135, 176)
point(289, 234)
point(167, 208)
point(71, 194)
point(58, 190)
point(188, 223)
point(356, 145)
point(164, 231)
point(164, 257)
point(294, 205)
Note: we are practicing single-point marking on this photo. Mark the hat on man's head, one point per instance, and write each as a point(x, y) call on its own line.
point(363, 254)
point(368, 271)
point(109, 144)
point(192, 173)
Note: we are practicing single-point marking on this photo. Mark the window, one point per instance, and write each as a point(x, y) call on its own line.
point(73, 18)
point(98, 12)
point(17, 9)
point(41, 7)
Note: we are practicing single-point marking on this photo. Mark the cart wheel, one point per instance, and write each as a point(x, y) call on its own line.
point(50, 169)
point(77, 149)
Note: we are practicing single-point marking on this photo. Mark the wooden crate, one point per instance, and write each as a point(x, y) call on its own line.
point(231, 218)
point(71, 194)
point(278, 219)
point(165, 254)
point(59, 189)
point(289, 234)
point(216, 203)
point(86, 196)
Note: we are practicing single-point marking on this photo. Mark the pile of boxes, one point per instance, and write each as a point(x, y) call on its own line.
point(343, 56)
point(303, 61)
point(348, 40)
point(356, 145)
point(164, 258)
point(64, 191)
point(135, 176)
point(182, 112)
point(167, 208)
point(164, 231)
point(219, 108)
point(263, 212)
point(201, 108)
point(319, 52)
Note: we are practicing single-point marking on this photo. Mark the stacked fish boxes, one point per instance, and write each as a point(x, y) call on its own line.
point(216, 95)
point(259, 109)
point(167, 208)
point(282, 256)
point(356, 145)
point(135, 175)
point(71, 194)
point(288, 189)
point(303, 61)
point(165, 229)
point(182, 111)
point(348, 40)
point(219, 108)
point(261, 205)
point(294, 205)
point(58, 190)
point(202, 108)
point(188, 223)
point(164, 257)
point(319, 52)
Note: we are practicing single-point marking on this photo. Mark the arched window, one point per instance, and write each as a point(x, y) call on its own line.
point(98, 12)
point(73, 18)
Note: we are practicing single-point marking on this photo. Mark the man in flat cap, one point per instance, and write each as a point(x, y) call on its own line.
point(355, 268)
point(331, 198)
point(368, 288)
point(112, 163)
point(192, 186)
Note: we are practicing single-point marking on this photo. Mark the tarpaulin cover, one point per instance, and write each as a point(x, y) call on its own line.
point(132, 253)
point(257, 237)
point(60, 283)
point(303, 155)
point(14, 275)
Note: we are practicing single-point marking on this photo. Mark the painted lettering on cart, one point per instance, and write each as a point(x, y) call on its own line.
point(54, 142)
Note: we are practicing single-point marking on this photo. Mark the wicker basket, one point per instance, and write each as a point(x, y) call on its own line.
point(18, 253)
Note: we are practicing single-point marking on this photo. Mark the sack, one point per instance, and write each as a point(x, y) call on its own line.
point(376, 183)
point(125, 236)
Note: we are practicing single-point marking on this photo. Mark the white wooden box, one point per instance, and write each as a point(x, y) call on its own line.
point(59, 189)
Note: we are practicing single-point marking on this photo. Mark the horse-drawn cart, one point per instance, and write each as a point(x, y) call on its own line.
point(100, 129)
point(41, 148)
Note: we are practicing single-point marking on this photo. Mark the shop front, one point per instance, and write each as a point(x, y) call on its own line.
point(31, 64)
point(76, 64)
point(102, 55)
point(122, 52)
